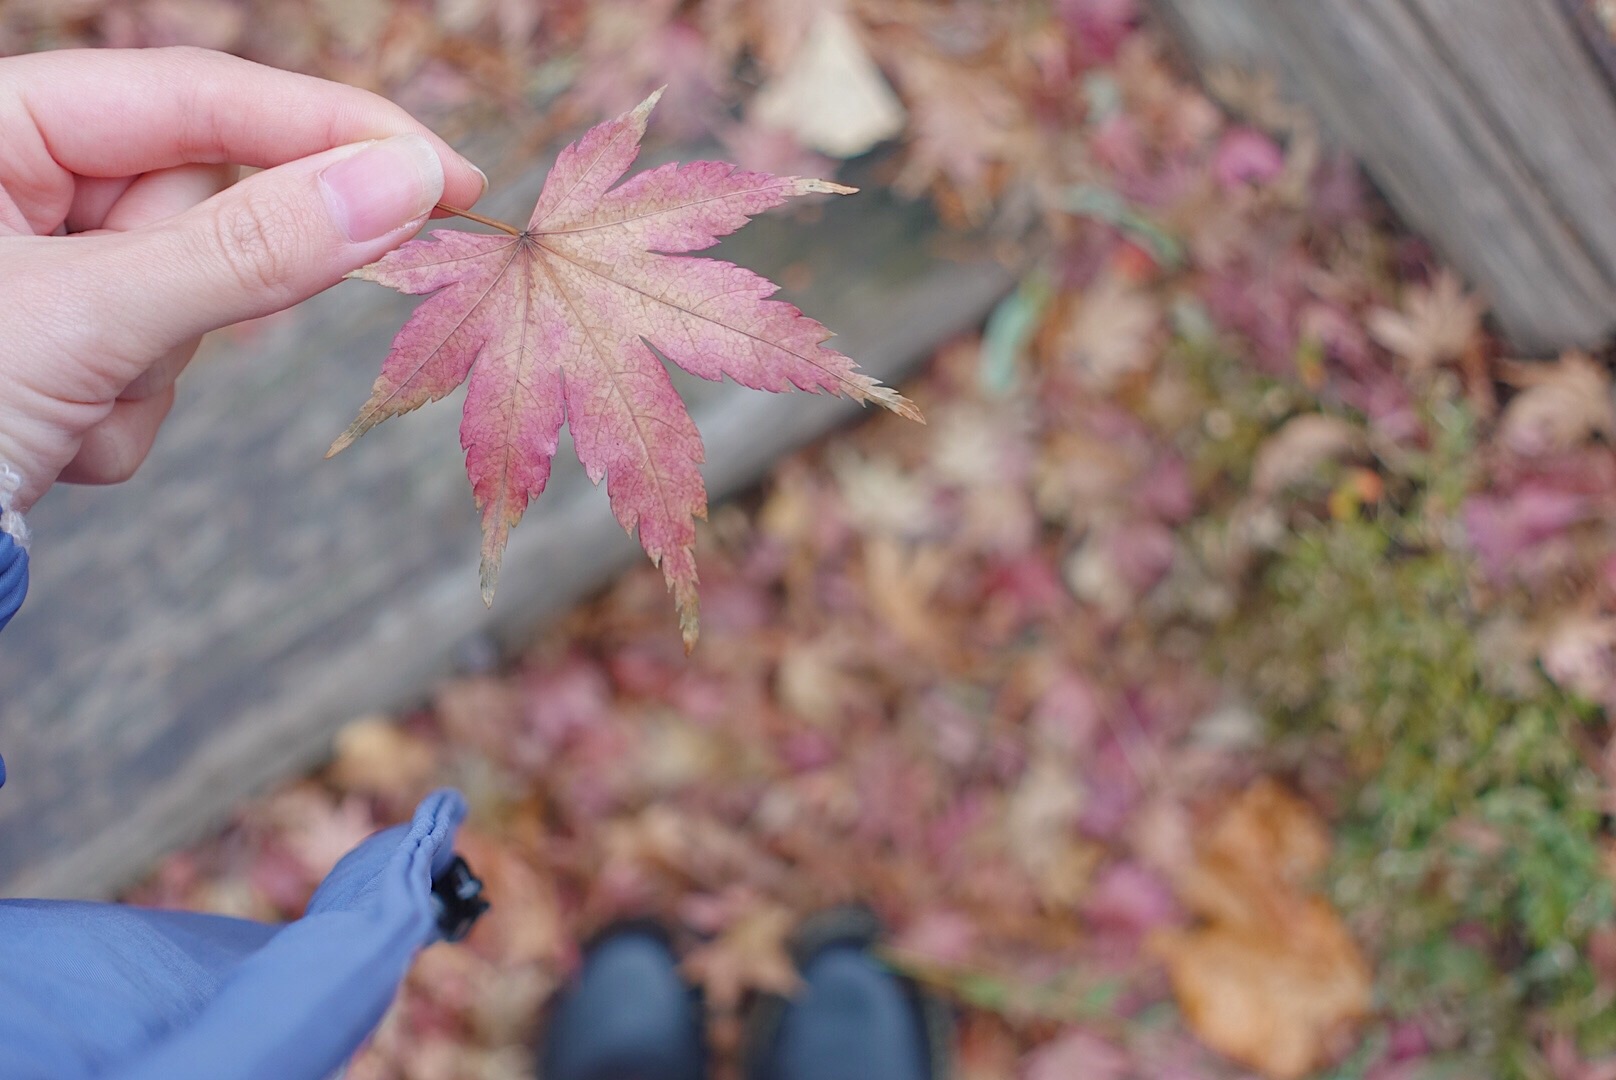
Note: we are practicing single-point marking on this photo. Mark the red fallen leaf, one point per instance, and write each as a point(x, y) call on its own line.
point(1076, 1053)
point(1246, 158)
point(1503, 527)
point(556, 323)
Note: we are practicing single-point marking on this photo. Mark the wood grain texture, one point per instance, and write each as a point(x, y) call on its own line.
point(201, 632)
point(1489, 124)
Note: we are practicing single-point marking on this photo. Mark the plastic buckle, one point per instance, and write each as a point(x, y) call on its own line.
point(457, 899)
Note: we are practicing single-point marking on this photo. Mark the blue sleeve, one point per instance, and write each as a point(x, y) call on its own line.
point(13, 577)
point(13, 587)
point(113, 993)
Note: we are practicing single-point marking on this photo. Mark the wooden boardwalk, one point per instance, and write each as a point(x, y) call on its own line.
point(1489, 124)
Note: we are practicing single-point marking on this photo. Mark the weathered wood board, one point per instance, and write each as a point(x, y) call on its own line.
point(1489, 124)
point(201, 632)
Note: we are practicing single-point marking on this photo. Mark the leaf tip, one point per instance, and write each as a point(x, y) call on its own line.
point(889, 398)
point(823, 187)
point(689, 625)
point(494, 537)
point(341, 443)
point(644, 108)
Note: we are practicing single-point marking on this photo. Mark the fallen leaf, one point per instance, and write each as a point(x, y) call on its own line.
point(1299, 448)
point(1435, 325)
point(963, 120)
point(557, 324)
point(1100, 25)
point(1563, 405)
point(1077, 1053)
point(1501, 528)
point(749, 955)
point(883, 498)
point(900, 581)
point(1279, 999)
point(1112, 333)
point(374, 756)
point(1246, 158)
point(942, 937)
point(327, 837)
point(984, 1049)
point(831, 96)
point(1041, 827)
point(1579, 654)
point(1272, 979)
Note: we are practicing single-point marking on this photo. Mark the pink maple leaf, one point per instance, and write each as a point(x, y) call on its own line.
point(557, 323)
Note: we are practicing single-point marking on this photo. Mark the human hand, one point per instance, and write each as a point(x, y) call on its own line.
point(124, 238)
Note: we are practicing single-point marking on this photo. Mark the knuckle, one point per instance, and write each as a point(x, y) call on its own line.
point(256, 237)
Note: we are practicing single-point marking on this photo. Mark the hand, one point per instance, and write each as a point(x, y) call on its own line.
point(124, 236)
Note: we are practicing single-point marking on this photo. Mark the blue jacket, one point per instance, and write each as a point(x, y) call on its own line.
point(121, 993)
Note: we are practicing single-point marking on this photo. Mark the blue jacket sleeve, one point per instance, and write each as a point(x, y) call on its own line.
point(13, 577)
point(114, 993)
point(13, 587)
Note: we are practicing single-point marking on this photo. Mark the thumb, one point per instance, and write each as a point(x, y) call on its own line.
point(277, 237)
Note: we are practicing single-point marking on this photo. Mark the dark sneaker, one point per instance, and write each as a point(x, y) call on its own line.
point(854, 1018)
point(628, 1015)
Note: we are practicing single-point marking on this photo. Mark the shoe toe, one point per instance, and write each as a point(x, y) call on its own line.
point(628, 1016)
point(853, 1020)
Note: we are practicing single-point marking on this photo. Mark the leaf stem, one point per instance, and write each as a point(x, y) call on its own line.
point(479, 219)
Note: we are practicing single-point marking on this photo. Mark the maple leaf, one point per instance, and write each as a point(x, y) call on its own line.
point(1560, 406)
point(750, 954)
point(1273, 979)
point(1436, 324)
point(556, 324)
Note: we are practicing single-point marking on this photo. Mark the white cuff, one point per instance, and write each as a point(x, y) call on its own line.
point(11, 522)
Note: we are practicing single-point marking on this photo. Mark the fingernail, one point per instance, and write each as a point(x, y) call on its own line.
point(383, 187)
point(480, 173)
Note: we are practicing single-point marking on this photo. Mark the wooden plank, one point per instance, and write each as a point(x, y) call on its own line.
point(1488, 123)
point(200, 632)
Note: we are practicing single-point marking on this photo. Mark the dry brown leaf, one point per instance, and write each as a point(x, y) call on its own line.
point(963, 120)
point(1273, 979)
point(524, 925)
point(883, 498)
point(814, 681)
point(477, 711)
point(831, 96)
point(901, 581)
point(1563, 405)
point(1041, 822)
point(1296, 451)
point(1579, 654)
point(1112, 332)
point(374, 756)
point(985, 1048)
point(1435, 326)
point(749, 955)
point(1280, 1000)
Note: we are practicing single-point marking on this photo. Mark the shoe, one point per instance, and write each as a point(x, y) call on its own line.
point(854, 1018)
point(628, 1015)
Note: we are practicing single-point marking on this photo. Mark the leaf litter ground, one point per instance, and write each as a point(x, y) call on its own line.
point(1217, 686)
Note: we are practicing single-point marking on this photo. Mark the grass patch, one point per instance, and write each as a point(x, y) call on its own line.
point(1470, 842)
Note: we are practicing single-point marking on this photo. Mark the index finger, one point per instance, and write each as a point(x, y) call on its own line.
point(123, 112)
